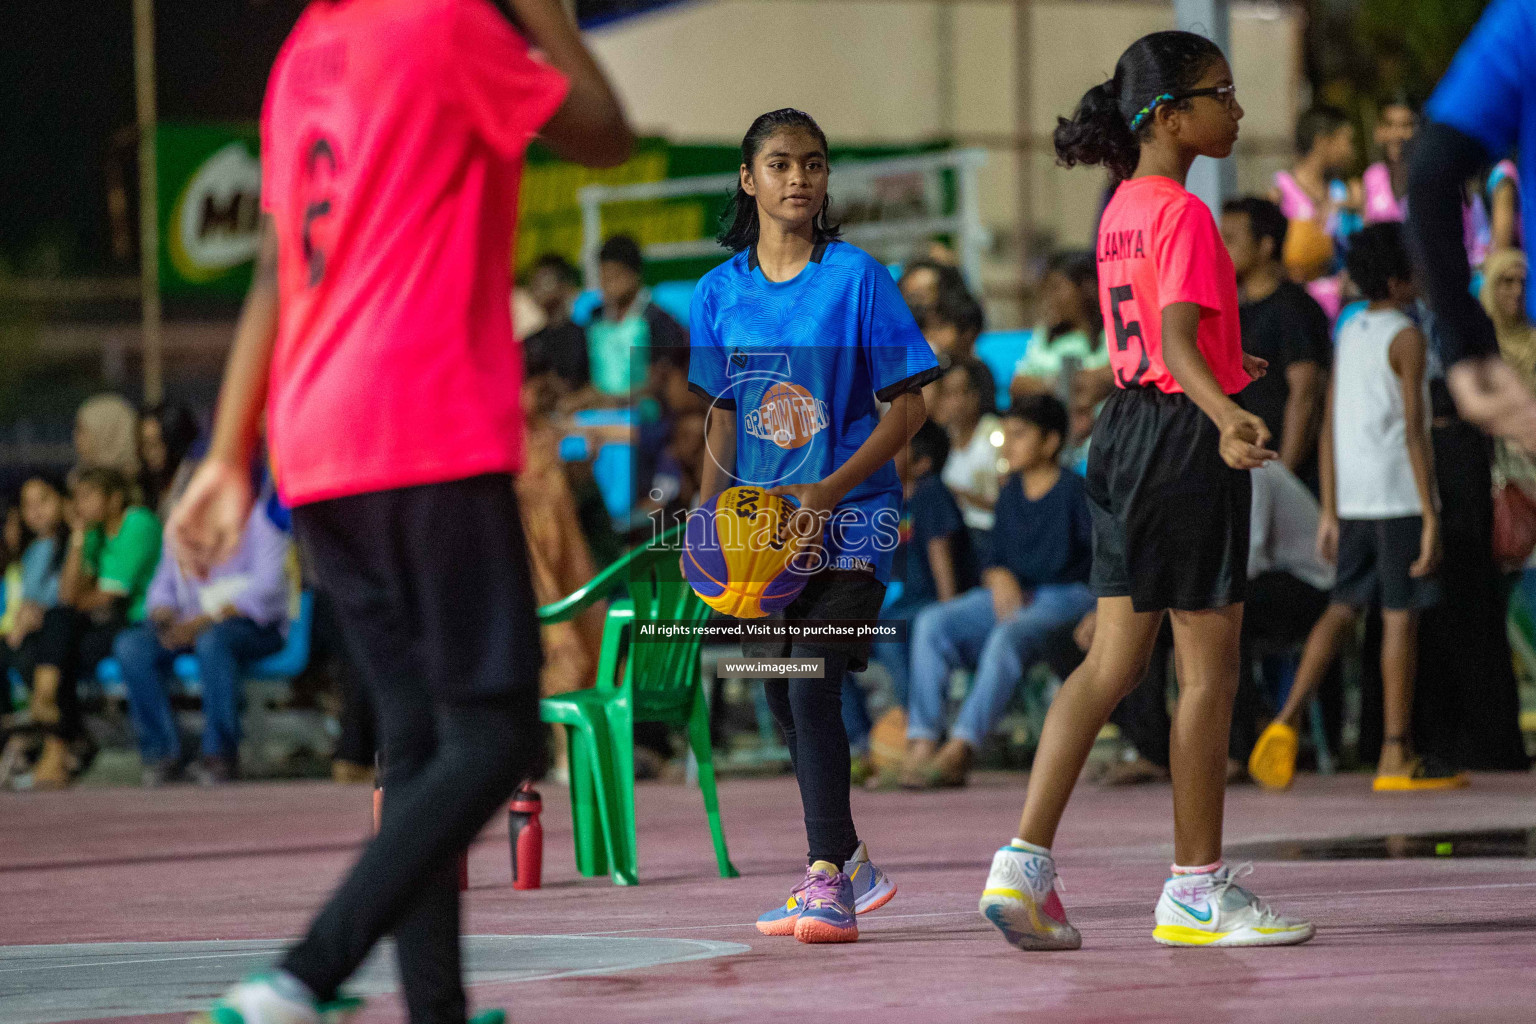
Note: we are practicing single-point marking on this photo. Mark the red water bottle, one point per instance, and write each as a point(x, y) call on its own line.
point(526, 836)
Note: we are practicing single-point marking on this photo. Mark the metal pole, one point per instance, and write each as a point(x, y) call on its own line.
point(1214, 181)
point(149, 207)
point(1024, 122)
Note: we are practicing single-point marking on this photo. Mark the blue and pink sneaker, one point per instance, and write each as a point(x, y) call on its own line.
point(872, 889)
point(826, 906)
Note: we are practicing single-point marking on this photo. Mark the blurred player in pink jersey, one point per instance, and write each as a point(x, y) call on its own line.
point(377, 335)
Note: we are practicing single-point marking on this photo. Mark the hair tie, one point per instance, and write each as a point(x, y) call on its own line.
point(1146, 111)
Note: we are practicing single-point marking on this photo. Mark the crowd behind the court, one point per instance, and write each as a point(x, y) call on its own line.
point(993, 570)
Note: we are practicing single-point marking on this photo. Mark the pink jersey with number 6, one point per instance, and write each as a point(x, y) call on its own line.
point(1158, 245)
point(392, 147)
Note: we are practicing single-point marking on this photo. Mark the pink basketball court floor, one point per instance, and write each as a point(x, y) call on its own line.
point(1399, 940)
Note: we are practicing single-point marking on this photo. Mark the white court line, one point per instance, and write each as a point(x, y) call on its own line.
point(970, 913)
point(147, 960)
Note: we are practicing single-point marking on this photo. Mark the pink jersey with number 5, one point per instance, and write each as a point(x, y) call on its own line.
point(1158, 245)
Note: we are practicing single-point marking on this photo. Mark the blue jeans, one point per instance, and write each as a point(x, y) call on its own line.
point(964, 633)
point(221, 650)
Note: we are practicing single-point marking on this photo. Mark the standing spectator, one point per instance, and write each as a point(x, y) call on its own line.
point(963, 407)
point(235, 616)
point(1380, 518)
point(107, 435)
point(1072, 331)
point(561, 344)
point(1034, 582)
point(1504, 225)
point(166, 435)
point(1318, 204)
point(1385, 182)
point(112, 551)
point(627, 331)
point(1284, 325)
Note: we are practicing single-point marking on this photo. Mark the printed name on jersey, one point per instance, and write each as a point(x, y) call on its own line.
point(1121, 245)
point(788, 415)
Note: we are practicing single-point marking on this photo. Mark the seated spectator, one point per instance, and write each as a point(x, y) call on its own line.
point(166, 435)
point(561, 344)
point(962, 405)
point(628, 328)
point(1034, 582)
point(952, 326)
point(924, 281)
point(107, 436)
point(675, 483)
point(935, 561)
point(113, 548)
point(1071, 334)
point(1284, 325)
point(43, 538)
point(236, 616)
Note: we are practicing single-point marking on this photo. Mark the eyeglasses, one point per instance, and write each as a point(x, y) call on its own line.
point(1227, 94)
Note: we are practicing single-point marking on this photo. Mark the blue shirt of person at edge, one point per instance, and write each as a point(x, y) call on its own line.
point(804, 364)
point(1485, 93)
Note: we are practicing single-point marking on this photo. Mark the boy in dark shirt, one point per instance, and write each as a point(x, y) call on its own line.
point(935, 561)
point(1283, 324)
point(1034, 582)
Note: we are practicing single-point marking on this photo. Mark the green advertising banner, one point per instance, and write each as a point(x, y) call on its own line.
point(210, 205)
point(210, 208)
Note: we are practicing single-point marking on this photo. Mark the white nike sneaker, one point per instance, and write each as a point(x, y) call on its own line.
point(1213, 910)
point(1020, 900)
point(261, 1000)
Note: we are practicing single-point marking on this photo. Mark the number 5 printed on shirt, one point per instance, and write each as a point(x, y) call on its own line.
point(1124, 332)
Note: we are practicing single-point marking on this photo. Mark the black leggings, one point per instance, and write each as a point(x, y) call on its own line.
point(73, 643)
point(431, 585)
point(810, 711)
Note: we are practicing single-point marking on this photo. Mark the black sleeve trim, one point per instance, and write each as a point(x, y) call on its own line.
point(1443, 160)
point(719, 403)
point(912, 383)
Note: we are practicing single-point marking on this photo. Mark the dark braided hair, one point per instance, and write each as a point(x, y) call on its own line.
point(1152, 69)
point(739, 227)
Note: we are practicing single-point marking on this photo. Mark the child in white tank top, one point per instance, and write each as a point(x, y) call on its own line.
point(1380, 519)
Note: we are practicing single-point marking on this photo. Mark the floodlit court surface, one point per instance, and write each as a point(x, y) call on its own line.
point(127, 905)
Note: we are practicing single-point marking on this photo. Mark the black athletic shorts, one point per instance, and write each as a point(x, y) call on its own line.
point(432, 580)
point(832, 595)
point(1170, 518)
point(1374, 558)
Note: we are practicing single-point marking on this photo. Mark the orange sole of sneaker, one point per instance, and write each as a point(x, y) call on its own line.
point(783, 926)
point(882, 901)
point(812, 930)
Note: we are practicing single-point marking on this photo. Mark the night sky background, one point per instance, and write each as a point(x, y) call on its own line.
point(66, 89)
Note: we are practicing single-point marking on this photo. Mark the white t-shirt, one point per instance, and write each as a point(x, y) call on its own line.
point(974, 468)
point(1370, 452)
point(1282, 535)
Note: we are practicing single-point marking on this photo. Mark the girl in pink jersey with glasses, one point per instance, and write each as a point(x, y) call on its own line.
point(1169, 492)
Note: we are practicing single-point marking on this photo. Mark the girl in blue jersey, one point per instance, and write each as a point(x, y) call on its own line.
point(796, 341)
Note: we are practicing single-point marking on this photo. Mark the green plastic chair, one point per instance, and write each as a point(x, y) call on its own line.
point(659, 682)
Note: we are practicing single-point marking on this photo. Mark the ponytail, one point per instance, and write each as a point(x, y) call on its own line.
point(1098, 133)
point(1114, 118)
